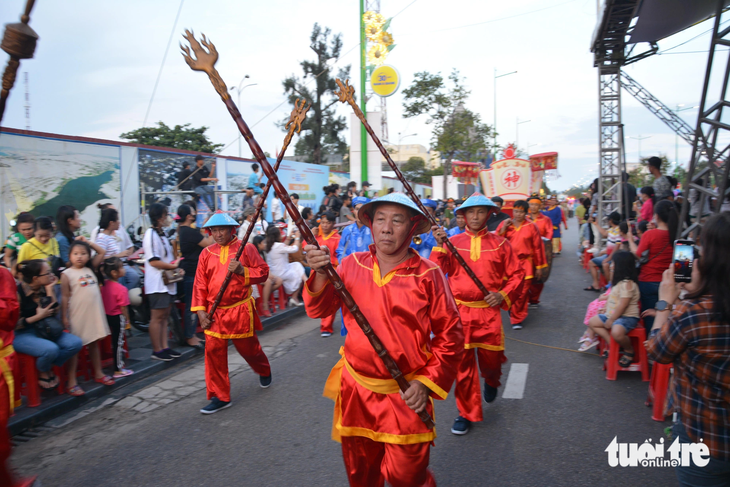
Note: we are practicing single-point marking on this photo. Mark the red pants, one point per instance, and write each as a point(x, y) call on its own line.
point(468, 390)
point(518, 311)
point(326, 325)
point(216, 363)
point(370, 463)
point(535, 291)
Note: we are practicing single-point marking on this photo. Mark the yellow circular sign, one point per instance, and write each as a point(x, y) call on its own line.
point(385, 80)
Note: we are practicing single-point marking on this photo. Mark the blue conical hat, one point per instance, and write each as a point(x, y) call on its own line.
point(365, 214)
point(220, 219)
point(477, 199)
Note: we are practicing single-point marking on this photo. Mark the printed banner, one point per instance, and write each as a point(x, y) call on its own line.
point(465, 172)
point(544, 162)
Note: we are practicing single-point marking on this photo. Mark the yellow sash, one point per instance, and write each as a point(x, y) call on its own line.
point(7, 373)
point(472, 304)
point(251, 307)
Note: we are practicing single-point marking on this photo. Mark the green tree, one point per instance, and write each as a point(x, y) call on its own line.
point(414, 168)
point(179, 137)
point(322, 129)
point(458, 131)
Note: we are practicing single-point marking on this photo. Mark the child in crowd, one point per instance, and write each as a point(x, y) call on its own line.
point(82, 309)
point(116, 299)
point(622, 308)
point(23, 233)
point(595, 307)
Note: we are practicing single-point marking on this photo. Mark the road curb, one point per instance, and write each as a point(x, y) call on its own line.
point(51, 408)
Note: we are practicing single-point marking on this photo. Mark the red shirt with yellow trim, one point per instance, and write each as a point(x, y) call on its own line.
point(527, 245)
point(331, 241)
point(544, 224)
point(494, 262)
point(235, 316)
point(403, 307)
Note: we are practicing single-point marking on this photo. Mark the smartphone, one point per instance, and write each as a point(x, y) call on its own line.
point(684, 257)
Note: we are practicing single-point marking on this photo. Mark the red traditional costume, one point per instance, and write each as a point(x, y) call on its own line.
point(331, 241)
point(545, 225)
point(382, 438)
point(527, 245)
point(9, 312)
point(235, 319)
point(495, 264)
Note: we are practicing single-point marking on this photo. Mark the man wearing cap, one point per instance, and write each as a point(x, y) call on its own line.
point(235, 318)
point(493, 261)
point(427, 242)
point(524, 236)
point(365, 189)
point(546, 232)
point(405, 298)
point(556, 216)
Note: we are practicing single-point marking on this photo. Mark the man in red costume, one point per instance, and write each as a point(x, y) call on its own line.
point(545, 225)
point(328, 237)
point(405, 298)
point(493, 261)
point(235, 318)
point(524, 236)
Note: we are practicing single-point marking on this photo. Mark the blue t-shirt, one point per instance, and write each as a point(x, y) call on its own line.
point(253, 182)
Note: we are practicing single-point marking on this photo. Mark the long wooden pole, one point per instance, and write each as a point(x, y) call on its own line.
point(205, 61)
point(294, 125)
point(346, 95)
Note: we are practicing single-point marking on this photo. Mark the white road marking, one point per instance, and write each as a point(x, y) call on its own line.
point(516, 380)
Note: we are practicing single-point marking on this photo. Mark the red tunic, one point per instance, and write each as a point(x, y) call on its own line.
point(331, 241)
point(544, 224)
point(235, 316)
point(403, 307)
point(527, 245)
point(495, 264)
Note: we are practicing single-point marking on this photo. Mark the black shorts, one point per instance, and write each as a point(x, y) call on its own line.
point(159, 300)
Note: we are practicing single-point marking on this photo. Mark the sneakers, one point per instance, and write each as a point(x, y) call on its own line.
point(326, 334)
point(533, 305)
point(265, 381)
point(215, 406)
point(161, 355)
point(588, 344)
point(461, 426)
point(173, 353)
point(490, 393)
point(517, 326)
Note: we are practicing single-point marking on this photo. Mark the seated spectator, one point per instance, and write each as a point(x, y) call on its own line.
point(258, 229)
point(693, 334)
point(68, 221)
point(309, 217)
point(622, 308)
point(272, 283)
point(291, 273)
point(38, 302)
point(601, 262)
point(23, 232)
point(595, 307)
point(42, 246)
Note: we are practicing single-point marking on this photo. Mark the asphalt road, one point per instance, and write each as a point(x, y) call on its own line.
point(555, 435)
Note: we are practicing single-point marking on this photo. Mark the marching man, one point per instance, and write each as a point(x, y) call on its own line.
point(327, 236)
point(405, 299)
point(235, 318)
point(545, 225)
point(493, 261)
point(527, 245)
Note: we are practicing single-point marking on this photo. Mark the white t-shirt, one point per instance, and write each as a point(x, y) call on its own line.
point(277, 212)
point(156, 246)
point(109, 243)
point(123, 239)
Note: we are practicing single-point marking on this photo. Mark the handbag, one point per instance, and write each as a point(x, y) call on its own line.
point(644, 258)
point(171, 276)
point(49, 329)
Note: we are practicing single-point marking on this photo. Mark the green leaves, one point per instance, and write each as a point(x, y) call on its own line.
point(178, 137)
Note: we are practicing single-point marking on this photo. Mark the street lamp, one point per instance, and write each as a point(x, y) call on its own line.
point(399, 139)
point(640, 138)
point(495, 106)
point(239, 89)
point(517, 130)
point(676, 136)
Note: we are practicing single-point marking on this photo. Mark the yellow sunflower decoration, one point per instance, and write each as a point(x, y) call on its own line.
point(386, 39)
point(373, 18)
point(377, 54)
point(372, 32)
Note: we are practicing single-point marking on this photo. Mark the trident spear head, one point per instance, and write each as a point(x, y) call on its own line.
point(204, 59)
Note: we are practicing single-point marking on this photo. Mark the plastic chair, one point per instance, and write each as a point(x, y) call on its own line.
point(27, 379)
point(640, 363)
point(658, 388)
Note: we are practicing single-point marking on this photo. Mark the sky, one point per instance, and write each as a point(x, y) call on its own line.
point(96, 64)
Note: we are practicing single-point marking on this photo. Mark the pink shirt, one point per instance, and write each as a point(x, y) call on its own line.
point(114, 296)
point(647, 211)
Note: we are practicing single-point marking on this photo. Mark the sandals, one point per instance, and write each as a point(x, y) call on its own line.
point(75, 391)
point(106, 380)
point(591, 288)
point(626, 359)
point(48, 383)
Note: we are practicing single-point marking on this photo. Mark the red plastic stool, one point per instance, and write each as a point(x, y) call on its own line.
point(27, 380)
point(640, 363)
point(658, 388)
point(587, 256)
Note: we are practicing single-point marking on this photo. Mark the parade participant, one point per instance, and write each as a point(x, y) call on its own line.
point(546, 232)
point(460, 225)
point(498, 216)
point(494, 262)
point(327, 236)
point(405, 298)
point(357, 237)
point(426, 242)
point(527, 245)
point(235, 319)
point(556, 215)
